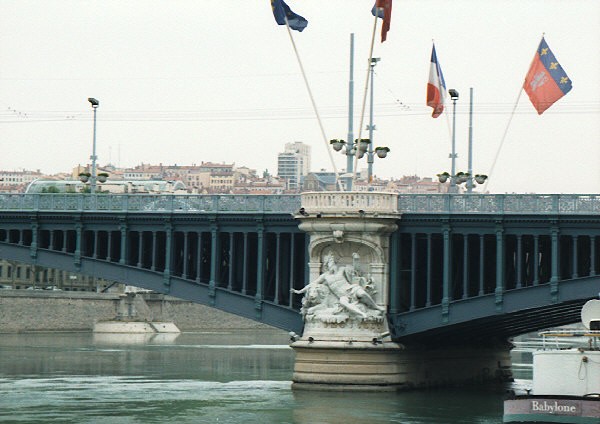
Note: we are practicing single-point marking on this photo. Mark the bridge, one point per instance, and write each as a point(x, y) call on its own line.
point(462, 267)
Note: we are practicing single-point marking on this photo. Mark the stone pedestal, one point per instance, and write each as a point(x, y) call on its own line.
point(363, 366)
point(343, 366)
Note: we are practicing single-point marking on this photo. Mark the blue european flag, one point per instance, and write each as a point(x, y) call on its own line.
point(281, 11)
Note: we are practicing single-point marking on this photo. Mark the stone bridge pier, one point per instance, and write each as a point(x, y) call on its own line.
point(346, 343)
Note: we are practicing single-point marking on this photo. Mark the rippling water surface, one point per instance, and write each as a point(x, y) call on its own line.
point(224, 377)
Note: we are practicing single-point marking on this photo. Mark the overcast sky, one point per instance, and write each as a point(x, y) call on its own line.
point(186, 81)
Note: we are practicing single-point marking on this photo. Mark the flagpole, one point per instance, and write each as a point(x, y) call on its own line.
point(448, 123)
point(314, 105)
point(364, 102)
point(350, 143)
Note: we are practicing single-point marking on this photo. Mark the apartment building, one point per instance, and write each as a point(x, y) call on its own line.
point(293, 164)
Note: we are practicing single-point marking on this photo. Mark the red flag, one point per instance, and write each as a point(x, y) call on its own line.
point(383, 9)
point(546, 81)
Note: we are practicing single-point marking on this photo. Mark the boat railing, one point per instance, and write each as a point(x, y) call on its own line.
point(557, 339)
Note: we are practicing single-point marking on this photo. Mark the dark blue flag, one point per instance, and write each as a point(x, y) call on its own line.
point(281, 11)
point(377, 11)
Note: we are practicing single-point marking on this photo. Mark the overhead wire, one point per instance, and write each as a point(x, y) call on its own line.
point(385, 109)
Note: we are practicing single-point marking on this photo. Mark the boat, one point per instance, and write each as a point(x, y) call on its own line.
point(566, 376)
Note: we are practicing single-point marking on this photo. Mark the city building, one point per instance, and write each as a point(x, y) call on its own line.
point(198, 180)
point(319, 181)
point(16, 275)
point(293, 164)
point(267, 185)
point(417, 185)
point(115, 187)
point(221, 182)
point(16, 181)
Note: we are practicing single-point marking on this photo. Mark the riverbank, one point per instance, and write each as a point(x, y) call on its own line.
point(23, 311)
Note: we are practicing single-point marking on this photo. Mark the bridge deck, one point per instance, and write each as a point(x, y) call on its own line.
point(484, 266)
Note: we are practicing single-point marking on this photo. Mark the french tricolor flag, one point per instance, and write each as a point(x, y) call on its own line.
point(436, 87)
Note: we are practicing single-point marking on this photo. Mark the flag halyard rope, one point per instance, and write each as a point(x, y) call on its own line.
point(314, 105)
point(485, 186)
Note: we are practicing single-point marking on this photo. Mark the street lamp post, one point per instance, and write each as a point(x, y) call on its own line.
point(95, 103)
point(462, 177)
point(358, 148)
point(457, 178)
point(470, 167)
point(454, 96)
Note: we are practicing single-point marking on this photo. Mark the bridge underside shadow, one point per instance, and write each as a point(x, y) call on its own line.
point(246, 306)
point(521, 311)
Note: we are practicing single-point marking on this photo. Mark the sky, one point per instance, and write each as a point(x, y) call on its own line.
point(191, 81)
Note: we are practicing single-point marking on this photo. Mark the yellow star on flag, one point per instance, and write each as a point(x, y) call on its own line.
point(544, 51)
point(564, 80)
point(553, 65)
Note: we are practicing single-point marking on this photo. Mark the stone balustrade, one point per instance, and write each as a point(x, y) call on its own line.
point(350, 202)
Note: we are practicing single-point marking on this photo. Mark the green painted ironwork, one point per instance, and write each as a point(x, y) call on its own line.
point(506, 204)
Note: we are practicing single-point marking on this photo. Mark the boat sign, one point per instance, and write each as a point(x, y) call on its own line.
point(535, 409)
point(562, 407)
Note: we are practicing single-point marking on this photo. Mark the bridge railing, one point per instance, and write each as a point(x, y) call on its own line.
point(151, 203)
point(507, 204)
point(548, 204)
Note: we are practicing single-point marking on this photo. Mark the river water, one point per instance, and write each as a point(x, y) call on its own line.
point(205, 377)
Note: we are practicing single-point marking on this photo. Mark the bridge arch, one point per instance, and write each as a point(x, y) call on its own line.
point(244, 265)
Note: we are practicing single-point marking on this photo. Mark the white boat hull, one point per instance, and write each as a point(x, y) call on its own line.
point(566, 372)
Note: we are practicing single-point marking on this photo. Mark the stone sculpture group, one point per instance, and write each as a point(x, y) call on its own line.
point(339, 294)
